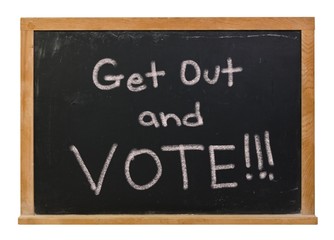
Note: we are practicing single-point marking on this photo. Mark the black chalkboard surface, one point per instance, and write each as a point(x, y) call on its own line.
point(167, 122)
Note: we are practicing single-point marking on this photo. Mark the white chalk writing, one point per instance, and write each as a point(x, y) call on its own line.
point(189, 120)
point(190, 74)
point(182, 148)
point(131, 157)
point(93, 186)
point(230, 70)
point(215, 167)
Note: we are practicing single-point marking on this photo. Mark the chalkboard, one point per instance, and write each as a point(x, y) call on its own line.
point(232, 144)
point(152, 122)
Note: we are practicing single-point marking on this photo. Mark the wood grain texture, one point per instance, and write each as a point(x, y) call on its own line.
point(27, 183)
point(169, 219)
point(29, 25)
point(167, 23)
point(308, 122)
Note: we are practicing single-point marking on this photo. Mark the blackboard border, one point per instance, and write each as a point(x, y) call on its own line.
point(305, 25)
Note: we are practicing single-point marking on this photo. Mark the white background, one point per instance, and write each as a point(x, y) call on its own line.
point(10, 13)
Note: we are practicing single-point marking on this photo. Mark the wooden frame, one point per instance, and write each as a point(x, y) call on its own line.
point(29, 25)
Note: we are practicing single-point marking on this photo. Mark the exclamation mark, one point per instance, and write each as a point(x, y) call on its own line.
point(258, 149)
point(269, 153)
point(247, 155)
